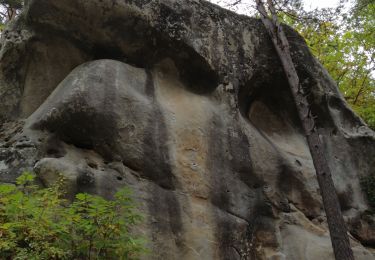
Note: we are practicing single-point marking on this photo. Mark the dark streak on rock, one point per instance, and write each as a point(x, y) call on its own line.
point(157, 168)
point(239, 148)
point(155, 144)
point(218, 167)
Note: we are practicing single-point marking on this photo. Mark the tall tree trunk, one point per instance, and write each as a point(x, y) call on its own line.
point(336, 224)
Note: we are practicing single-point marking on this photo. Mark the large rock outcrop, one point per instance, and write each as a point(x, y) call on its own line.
point(186, 103)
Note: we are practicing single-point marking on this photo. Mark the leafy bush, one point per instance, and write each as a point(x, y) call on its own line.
point(39, 224)
point(368, 187)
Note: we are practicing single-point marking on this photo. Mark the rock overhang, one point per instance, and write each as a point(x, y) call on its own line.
point(214, 141)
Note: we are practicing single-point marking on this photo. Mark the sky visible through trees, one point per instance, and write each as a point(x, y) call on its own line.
point(341, 35)
point(308, 4)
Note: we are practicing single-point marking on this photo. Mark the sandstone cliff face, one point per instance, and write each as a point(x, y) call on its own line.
point(187, 104)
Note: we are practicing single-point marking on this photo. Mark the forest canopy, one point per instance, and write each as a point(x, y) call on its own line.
point(341, 38)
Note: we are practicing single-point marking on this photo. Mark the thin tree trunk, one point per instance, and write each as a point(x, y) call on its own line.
point(359, 93)
point(336, 224)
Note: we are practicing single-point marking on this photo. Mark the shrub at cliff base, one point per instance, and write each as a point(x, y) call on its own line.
point(39, 224)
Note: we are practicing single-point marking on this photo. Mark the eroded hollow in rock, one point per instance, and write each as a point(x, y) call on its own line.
point(142, 110)
point(142, 46)
point(269, 106)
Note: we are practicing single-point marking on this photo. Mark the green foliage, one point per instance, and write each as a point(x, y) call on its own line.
point(344, 42)
point(368, 187)
point(342, 39)
point(38, 224)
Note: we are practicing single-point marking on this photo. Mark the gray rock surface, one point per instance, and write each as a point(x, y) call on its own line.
point(187, 104)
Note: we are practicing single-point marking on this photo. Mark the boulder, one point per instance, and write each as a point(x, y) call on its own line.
point(187, 104)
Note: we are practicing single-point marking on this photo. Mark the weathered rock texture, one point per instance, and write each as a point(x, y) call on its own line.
point(186, 103)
